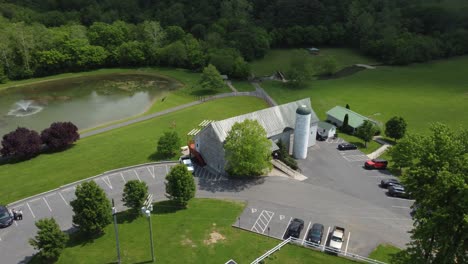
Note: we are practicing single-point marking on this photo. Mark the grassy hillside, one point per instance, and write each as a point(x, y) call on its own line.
point(420, 93)
point(279, 59)
point(121, 147)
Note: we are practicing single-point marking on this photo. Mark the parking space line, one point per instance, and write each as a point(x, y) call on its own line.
point(63, 198)
point(108, 182)
point(167, 170)
point(284, 233)
point(123, 178)
point(346, 249)
point(30, 210)
point(398, 198)
point(152, 174)
point(402, 207)
point(303, 238)
point(137, 175)
point(33, 200)
point(326, 238)
point(16, 224)
point(50, 209)
point(260, 222)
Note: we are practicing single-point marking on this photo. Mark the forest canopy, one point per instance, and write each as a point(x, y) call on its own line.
point(40, 37)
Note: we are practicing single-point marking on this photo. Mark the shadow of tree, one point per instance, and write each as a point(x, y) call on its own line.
point(203, 92)
point(127, 216)
point(232, 185)
point(156, 156)
point(166, 207)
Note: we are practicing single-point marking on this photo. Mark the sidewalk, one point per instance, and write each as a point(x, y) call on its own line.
point(380, 150)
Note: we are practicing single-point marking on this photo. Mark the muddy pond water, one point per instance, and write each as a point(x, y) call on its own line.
point(86, 101)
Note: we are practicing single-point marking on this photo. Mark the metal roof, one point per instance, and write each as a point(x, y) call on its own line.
point(325, 125)
point(354, 119)
point(274, 119)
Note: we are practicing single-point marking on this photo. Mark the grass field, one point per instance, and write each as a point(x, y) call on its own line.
point(383, 252)
point(183, 236)
point(279, 59)
point(126, 146)
point(420, 93)
point(243, 86)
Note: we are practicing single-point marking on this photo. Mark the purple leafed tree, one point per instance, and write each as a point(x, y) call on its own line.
point(21, 144)
point(60, 135)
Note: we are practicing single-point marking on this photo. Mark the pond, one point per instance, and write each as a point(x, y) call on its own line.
point(86, 101)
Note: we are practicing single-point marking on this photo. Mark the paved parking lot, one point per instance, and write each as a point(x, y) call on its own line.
point(14, 247)
point(338, 191)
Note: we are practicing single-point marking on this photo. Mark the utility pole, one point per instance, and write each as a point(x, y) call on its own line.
point(114, 213)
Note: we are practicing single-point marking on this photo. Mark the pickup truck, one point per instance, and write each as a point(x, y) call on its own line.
point(336, 240)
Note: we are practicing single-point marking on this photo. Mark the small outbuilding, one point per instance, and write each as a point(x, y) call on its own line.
point(313, 50)
point(337, 114)
point(326, 129)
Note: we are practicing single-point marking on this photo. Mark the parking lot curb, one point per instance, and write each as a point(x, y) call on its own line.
point(88, 179)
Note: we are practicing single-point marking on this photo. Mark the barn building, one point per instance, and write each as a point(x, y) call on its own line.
point(284, 122)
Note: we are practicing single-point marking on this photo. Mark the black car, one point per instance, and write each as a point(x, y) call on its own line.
point(397, 191)
point(346, 146)
point(321, 137)
point(389, 182)
point(6, 219)
point(295, 228)
point(315, 234)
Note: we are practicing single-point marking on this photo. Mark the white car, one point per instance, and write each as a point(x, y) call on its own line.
point(187, 162)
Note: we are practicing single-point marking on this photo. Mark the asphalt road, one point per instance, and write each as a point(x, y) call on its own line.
point(338, 191)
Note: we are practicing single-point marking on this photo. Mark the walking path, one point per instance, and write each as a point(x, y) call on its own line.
point(380, 150)
point(229, 84)
point(260, 94)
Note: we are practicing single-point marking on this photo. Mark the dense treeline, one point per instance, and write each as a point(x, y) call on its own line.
point(44, 37)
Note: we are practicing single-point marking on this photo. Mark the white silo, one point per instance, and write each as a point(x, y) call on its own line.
point(301, 132)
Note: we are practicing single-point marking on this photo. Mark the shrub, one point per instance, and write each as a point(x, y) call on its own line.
point(21, 144)
point(60, 135)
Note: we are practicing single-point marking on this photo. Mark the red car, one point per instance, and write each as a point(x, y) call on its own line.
point(376, 164)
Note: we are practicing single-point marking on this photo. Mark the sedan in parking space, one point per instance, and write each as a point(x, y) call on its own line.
point(315, 234)
point(295, 228)
point(6, 219)
point(389, 182)
point(346, 146)
point(397, 191)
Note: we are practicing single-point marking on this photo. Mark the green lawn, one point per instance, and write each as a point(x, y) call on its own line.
point(420, 93)
point(121, 147)
point(383, 252)
point(243, 86)
point(279, 59)
point(297, 254)
point(182, 236)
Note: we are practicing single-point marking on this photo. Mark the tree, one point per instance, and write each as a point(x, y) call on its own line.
point(327, 65)
point(345, 125)
point(60, 135)
point(92, 209)
point(247, 149)
point(395, 127)
point(438, 183)
point(168, 144)
point(21, 144)
point(347, 106)
point(406, 152)
point(211, 78)
point(300, 69)
point(131, 53)
point(134, 194)
point(50, 240)
point(180, 185)
point(366, 131)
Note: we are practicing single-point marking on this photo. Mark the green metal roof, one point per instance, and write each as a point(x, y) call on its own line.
point(325, 125)
point(354, 119)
